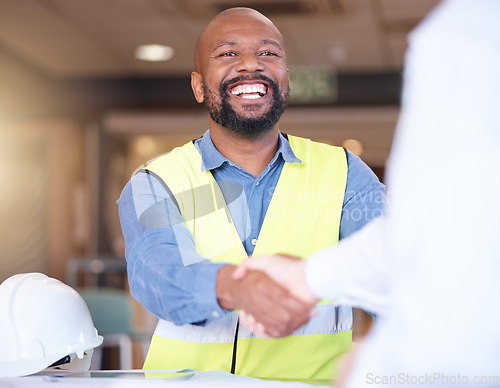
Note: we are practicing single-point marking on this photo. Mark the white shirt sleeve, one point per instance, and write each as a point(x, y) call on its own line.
point(355, 271)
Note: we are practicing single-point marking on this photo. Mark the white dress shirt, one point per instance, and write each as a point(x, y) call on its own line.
point(431, 267)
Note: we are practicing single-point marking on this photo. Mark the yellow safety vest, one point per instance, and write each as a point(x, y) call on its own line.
point(303, 217)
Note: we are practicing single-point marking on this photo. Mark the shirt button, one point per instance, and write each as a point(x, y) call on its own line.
point(257, 184)
point(215, 314)
point(254, 241)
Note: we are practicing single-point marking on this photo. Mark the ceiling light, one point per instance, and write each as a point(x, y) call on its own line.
point(154, 52)
point(353, 145)
point(144, 146)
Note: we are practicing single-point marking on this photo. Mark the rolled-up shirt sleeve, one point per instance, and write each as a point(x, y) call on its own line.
point(166, 274)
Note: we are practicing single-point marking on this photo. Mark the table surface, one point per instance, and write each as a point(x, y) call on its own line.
point(149, 378)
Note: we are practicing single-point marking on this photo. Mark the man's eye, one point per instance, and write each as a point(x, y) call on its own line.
point(268, 53)
point(227, 54)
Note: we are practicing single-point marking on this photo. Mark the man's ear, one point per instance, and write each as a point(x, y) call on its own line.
point(197, 86)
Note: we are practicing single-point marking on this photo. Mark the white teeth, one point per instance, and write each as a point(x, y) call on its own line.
point(251, 96)
point(250, 91)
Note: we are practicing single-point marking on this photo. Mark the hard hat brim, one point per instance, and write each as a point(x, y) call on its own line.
point(29, 367)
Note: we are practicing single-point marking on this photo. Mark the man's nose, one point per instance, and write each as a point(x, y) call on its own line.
point(249, 62)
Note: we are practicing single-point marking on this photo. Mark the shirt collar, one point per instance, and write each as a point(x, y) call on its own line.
point(211, 158)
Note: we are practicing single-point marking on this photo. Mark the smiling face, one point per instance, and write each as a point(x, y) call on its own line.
point(241, 72)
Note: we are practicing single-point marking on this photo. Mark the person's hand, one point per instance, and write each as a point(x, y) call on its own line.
point(251, 324)
point(268, 303)
point(286, 270)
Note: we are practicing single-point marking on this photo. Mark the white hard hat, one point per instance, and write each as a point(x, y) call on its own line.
point(42, 320)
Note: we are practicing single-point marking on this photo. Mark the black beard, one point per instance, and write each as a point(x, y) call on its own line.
point(225, 115)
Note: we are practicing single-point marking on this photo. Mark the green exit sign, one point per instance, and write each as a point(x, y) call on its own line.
point(312, 86)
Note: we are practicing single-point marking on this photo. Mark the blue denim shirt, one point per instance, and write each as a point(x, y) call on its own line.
point(156, 255)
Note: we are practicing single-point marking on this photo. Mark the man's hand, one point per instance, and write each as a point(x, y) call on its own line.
point(268, 303)
point(286, 270)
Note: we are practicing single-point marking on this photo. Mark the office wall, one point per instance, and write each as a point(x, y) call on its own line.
point(41, 195)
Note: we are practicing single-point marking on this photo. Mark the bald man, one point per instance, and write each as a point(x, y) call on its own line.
point(190, 216)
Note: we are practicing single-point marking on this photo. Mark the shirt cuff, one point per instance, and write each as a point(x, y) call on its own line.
point(206, 306)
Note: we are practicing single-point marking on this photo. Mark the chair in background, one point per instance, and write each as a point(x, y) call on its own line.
point(112, 315)
point(98, 271)
point(102, 282)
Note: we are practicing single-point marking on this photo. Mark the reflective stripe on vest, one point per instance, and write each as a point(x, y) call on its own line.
point(303, 217)
point(222, 330)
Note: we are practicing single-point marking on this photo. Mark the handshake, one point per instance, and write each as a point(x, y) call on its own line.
point(270, 292)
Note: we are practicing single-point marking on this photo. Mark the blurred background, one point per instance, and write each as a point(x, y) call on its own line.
point(91, 89)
